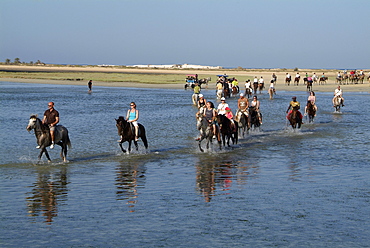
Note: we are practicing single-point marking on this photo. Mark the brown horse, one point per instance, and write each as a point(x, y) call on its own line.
point(255, 87)
point(227, 131)
point(254, 118)
point(127, 132)
point(287, 80)
point(295, 118)
point(323, 80)
point(42, 133)
point(311, 111)
point(261, 86)
point(296, 80)
point(309, 86)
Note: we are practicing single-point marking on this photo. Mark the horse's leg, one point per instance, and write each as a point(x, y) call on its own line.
point(136, 146)
point(129, 146)
point(43, 150)
point(120, 145)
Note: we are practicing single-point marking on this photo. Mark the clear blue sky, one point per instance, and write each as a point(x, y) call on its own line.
point(229, 33)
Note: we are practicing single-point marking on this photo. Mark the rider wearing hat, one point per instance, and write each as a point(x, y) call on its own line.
point(221, 109)
point(294, 104)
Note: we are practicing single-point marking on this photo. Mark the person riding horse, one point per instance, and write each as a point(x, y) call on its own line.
point(255, 105)
point(294, 105)
point(338, 93)
point(132, 117)
point(51, 118)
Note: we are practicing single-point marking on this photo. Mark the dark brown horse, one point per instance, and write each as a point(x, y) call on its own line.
point(227, 130)
point(42, 133)
point(296, 80)
point(295, 118)
point(261, 86)
point(323, 80)
point(311, 111)
point(287, 80)
point(127, 132)
point(309, 85)
point(255, 87)
point(254, 118)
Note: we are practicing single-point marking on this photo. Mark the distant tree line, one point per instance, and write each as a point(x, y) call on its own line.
point(17, 61)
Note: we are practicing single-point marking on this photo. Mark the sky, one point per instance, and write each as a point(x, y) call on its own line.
point(331, 34)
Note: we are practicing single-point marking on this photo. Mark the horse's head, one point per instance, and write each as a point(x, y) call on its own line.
point(32, 122)
point(120, 124)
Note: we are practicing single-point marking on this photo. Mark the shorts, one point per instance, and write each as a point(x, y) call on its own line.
point(52, 128)
point(135, 123)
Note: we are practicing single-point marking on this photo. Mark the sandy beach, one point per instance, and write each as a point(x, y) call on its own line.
point(12, 71)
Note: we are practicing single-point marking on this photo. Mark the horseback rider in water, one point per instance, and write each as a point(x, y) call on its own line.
point(51, 118)
point(338, 93)
point(132, 117)
point(243, 105)
point(294, 104)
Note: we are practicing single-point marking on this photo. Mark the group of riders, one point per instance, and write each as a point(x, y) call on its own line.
point(207, 110)
point(353, 76)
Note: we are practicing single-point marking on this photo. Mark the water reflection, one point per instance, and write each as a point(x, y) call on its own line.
point(49, 191)
point(215, 176)
point(130, 176)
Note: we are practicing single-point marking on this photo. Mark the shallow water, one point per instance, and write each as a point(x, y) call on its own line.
point(277, 187)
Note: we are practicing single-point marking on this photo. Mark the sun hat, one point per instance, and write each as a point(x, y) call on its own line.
point(200, 95)
point(223, 99)
point(228, 109)
point(241, 94)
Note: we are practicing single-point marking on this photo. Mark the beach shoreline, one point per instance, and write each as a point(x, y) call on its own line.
point(330, 86)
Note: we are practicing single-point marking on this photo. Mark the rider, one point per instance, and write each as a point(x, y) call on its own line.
point(229, 115)
point(294, 104)
point(312, 99)
point(51, 118)
point(132, 116)
point(221, 109)
point(248, 87)
point(256, 105)
point(196, 88)
point(236, 84)
point(201, 102)
point(338, 93)
point(219, 87)
point(210, 114)
point(243, 105)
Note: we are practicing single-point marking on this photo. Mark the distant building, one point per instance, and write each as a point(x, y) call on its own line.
point(177, 66)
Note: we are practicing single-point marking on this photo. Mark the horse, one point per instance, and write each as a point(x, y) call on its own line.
point(204, 81)
point(255, 87)
point(127, 132)
point(195, 98)
point(243, 123)
point(296, 80)
point(42, 133)
point(271, 92)
point(206, 132)
point(323, 80)
point(254, 119)
point(287, 80)
point(227, 131)
point(309, 86)
point(337, 103)
point(226, 92)
point(295, 119)
point(261, 86)
point(248, 92)
point(311, 111)
point(234, 91)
